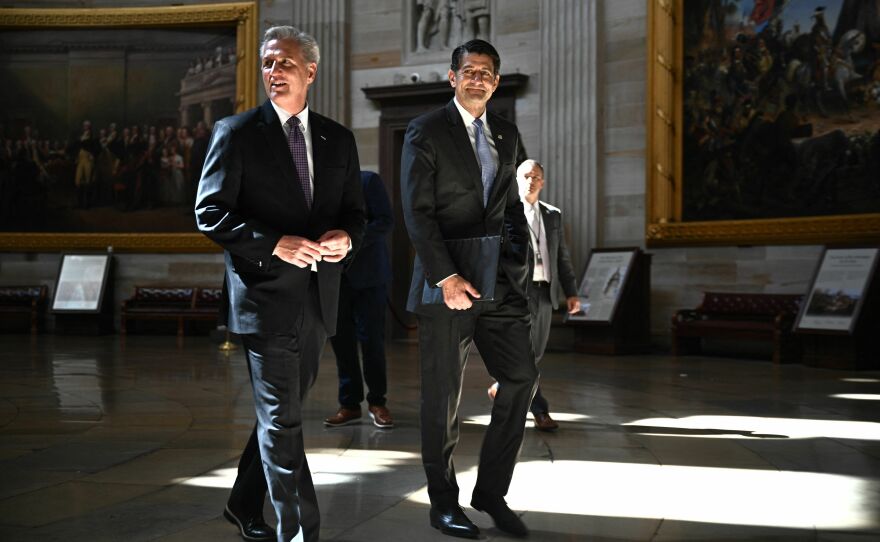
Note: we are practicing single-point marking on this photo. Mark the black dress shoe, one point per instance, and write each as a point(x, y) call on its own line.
point(251, 528)
point(505, 518)
point(453, 522)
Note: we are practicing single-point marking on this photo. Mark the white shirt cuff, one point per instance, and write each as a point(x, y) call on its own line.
point(447, 278)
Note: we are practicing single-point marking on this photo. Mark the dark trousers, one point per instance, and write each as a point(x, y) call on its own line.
point(361, 319)
point(283, 368)
point(501, 332)
point(541, 309)
point(249, 490)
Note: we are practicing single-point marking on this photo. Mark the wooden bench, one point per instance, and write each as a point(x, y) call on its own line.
point(740, 316)
point(24, 303)
point(180, 303)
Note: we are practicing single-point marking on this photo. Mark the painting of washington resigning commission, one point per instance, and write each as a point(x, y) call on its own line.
point(105, 129)
point(781, 108)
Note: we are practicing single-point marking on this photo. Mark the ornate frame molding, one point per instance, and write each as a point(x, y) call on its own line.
point(664, 172)
point(241, 15)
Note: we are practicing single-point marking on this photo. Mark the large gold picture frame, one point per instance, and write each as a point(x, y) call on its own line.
point(664, 123)
point(242, 16)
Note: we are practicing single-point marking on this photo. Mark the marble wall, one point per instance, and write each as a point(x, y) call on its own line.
point(679, 275)
point(375, 39)
point(379, 58)
point(130, 270)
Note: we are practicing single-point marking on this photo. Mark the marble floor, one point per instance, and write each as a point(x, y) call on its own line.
point(104, 441)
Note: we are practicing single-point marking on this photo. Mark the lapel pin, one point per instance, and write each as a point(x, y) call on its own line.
point(500, 136)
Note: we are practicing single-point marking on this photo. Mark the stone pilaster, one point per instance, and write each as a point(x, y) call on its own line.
point(328, 22)
point(568, 117)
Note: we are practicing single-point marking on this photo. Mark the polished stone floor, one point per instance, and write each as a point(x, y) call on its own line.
point(104, 441)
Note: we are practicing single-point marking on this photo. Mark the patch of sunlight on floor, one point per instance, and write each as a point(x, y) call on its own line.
point(702, 494)
point(758, 427)
point(328, 466)
point(530, 421)
point(336, 466)
point(857, 396)
point(219, 478)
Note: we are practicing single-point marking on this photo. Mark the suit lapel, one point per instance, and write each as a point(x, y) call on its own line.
point(319, 154)
point(504, 146)
point(458, 133)
point(550, 232)
point(271, 128)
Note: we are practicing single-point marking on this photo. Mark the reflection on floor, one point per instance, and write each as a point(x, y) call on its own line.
point(101, 441)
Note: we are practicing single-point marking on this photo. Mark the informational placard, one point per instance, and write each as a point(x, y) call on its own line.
point(81, 282)
point(602, 284)
point(838, 289)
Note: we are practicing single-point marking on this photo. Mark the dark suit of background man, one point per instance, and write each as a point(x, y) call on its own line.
point(362, 316)
point(553, 274)
point(449, 192)
point(281, 193)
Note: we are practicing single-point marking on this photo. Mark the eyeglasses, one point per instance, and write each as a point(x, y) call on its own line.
point(483, 75)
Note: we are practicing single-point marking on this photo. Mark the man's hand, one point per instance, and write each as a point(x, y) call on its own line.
point(455, 293)
point(334, 245)
point(574, 304)
point(299, 251)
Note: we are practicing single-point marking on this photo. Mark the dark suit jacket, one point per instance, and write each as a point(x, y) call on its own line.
point(249, 197)
point(562, 277)
point(370, 266)
point(442, 196)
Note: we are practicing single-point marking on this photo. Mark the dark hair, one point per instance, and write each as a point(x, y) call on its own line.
point(479, 47)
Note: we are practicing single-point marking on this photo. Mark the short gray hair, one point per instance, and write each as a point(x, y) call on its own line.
point(526, 166)
point(307, 44)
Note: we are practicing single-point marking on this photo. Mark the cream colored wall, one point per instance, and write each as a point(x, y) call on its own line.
point(678, 275)
point(130, 269)
point(377, 41)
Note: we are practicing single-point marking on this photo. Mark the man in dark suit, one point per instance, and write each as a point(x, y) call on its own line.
point(362, 316)
point(458, 182)
point(281, 193)
point(552, 276)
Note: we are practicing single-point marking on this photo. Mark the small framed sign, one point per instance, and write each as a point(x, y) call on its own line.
point(838, 289)
point(82, 280)
point(602, 284)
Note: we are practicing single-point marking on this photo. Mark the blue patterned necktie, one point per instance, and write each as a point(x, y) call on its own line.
point(297, 144)
point(487, 164)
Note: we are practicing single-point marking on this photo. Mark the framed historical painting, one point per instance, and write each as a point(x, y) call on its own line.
point(602, 284)
point(838, 290)
point(106, 118)
point(82, 280)
point(763, 122)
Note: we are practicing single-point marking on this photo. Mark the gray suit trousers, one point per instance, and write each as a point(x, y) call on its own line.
point(283, 368)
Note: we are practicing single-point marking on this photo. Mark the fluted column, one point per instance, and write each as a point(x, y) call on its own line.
point(568, 113)
point(327, 21)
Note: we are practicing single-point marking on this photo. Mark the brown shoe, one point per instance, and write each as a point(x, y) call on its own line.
point(345, 416)
point(493, 389)
point(381, 417)
point(543, 422)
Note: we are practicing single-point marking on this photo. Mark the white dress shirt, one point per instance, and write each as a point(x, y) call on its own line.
point(303, 117)
point(538, 236)
point(472, 132)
